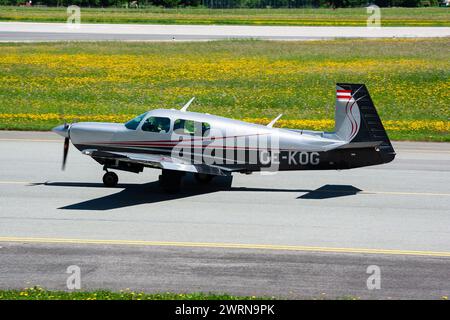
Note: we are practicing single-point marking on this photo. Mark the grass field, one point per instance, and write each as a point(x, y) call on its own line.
point(432, 16)
point(38, 293)
point(409, 81)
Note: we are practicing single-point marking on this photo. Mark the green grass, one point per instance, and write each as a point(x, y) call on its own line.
point(432, 16)
point(409, 80)
point(38, 293)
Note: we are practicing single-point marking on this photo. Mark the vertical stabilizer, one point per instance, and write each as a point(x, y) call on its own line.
point(357, 119)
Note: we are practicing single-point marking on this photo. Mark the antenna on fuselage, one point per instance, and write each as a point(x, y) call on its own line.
point(187, 105)
point(271, 123)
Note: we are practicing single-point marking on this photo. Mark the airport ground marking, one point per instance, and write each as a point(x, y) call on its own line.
point(402, 193)
point(15, 182)
point(29, 140)
point(425, 151)
point(227, 246)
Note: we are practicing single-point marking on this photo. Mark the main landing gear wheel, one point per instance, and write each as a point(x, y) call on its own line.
point(170, 180)
point(110, 179)
point(203, 178)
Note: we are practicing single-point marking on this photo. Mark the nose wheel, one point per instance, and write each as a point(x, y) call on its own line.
point(203, 178)
point(110, 179)
point(170, 180)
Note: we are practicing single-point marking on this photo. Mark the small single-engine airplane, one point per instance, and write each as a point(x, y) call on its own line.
point(178, 141)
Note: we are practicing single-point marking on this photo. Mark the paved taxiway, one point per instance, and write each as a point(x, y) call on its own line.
point(297, 234)
point(28, 31)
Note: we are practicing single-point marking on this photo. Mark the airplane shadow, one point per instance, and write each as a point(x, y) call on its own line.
point(148, 193)
point(331, 191)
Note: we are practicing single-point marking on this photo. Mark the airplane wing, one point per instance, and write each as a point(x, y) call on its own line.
point(158, 162)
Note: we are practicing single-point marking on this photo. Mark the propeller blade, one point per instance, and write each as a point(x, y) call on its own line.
point(66, 150)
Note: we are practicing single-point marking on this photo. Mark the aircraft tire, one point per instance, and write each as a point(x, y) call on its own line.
point(203, 178)
point(110, 179)
point(170, 181)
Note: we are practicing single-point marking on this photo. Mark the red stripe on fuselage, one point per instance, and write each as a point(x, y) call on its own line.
point(178, 141)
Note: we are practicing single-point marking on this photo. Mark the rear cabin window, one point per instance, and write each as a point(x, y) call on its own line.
point(156, 124)
point(189, 127)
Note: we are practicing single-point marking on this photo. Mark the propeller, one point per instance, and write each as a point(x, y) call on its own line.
point(64, 131)
point(66, 150)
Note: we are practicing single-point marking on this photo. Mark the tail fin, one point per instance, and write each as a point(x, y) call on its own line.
point(357, 119)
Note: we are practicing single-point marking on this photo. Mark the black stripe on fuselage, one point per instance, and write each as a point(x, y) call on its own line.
point(282, 161)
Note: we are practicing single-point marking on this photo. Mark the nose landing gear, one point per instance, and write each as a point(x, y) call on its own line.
point(203, 178)
point(170, 180)
point(110, 179)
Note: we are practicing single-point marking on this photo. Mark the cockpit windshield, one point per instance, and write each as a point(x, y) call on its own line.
point(134, 123)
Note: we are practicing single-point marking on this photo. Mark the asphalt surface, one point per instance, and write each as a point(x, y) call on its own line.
point(297, 234)
point(242, 272)
point(28, 31)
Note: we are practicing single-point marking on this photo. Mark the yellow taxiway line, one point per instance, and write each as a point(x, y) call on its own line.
point(30, 140)
point(225, 246)
point(14, 182)
point(400, 151)
point(401, 193)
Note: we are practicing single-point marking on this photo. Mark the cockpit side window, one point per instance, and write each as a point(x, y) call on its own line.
point(134, 123)
point(182, 126)
point(189, 127)
point(156, 124)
